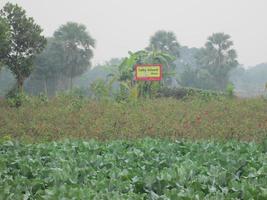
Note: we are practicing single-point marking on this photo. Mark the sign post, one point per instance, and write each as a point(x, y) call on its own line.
point(148, 72)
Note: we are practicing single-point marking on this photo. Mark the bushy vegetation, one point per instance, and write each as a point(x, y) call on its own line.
point(183, 93)
point(250, 82)
point(72, 115)
point(143, 169)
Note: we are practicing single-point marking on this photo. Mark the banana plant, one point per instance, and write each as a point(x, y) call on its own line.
point(145, 88)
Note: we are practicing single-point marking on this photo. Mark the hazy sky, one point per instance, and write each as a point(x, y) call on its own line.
point(123, 25)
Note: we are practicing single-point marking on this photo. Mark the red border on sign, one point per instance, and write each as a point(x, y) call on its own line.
point(148, 78)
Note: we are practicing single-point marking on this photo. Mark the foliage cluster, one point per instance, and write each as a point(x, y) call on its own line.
point(67, 55)
point(214, 62)
point(183, 93)
point(22, 42)
point(143, 169)
point(143, 88)
point(69, 116)
point(69, 52)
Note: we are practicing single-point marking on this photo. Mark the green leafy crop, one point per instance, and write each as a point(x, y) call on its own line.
point(143, 169)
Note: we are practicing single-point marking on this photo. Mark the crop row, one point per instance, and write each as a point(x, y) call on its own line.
point(72, 117)
point(142, 169)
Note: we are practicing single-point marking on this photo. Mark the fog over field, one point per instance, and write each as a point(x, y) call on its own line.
point(123, 25)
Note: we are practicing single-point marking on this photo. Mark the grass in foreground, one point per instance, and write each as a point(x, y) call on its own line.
point(143, 169)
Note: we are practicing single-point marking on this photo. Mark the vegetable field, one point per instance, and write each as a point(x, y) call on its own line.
point(79, 118)
point(140, 169)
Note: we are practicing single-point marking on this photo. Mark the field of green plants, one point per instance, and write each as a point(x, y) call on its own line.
point(72, 147)
point(141, 169)
point(128, 128)
point(69, 116)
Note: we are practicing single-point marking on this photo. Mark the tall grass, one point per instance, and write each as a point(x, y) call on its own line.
point(72, 117)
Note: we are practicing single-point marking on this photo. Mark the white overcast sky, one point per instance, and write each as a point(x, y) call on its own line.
point(123, 25)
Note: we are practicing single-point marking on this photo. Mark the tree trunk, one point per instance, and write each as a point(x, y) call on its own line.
point(20, 82)
point(45, 86)
point(71, 78)
point(71, 82)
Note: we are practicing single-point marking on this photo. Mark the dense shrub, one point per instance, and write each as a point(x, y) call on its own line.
point(67, 116)
point(181, 93)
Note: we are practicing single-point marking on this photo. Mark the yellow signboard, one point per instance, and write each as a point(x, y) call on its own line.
point(148, 72)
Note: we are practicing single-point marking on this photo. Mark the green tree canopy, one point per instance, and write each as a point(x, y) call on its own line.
point(166, 42)
point(218, 58)
point(4, 40)
point(49, 65)
point(26, 42)
point(77, 46)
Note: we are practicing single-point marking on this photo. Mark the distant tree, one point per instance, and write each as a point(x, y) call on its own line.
point(113, 62)
point(166, 42)
point(77, 46)
point(26, 42)
point(102, 71)
point(218, 58)
point(110, 66)
point(196, 78)
point(249, 82)
point(185, 66)
point(4, 40)
point(49, 64)
point(7, 81)
point(188, 78)
point(187, 58)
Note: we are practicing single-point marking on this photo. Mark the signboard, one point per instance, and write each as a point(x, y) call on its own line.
point(149, 72)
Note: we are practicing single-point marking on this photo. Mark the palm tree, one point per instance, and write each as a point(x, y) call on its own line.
point(220, 43)
point(166, 42)
point(78, 47)
point(218, 57)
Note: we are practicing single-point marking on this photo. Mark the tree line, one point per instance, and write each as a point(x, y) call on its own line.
point(57, 60)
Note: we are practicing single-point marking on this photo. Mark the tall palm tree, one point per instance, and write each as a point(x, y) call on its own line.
point(218, 57)
point(166, 42)
point(78, 47)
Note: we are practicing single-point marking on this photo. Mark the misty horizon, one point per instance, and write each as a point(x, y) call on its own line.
point(121, 26)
